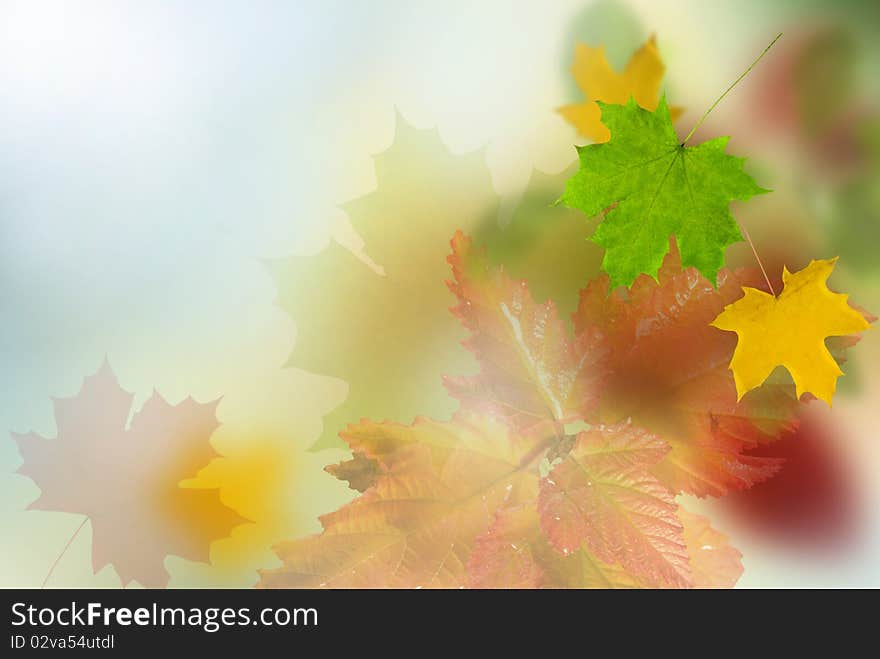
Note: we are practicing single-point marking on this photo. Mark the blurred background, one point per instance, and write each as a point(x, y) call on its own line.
point(155, 156)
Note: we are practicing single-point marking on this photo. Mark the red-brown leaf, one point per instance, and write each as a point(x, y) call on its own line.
point(603, 495)
point(669, 373)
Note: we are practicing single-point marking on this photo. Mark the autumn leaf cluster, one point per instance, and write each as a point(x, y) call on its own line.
point(556, 471)
point(562, 464)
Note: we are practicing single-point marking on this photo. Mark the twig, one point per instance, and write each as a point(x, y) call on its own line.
point(758, 259)
point(726, 91)
point(63, 551)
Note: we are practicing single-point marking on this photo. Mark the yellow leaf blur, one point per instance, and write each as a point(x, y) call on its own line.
point(599, 82)
point(276, 486)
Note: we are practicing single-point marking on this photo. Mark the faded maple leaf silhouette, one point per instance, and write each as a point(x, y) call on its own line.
point(390, 336)
point(376, 330)
point(125, 477)
point(544, 243)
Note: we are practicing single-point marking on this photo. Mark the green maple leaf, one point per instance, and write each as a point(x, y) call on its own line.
point(652, 186)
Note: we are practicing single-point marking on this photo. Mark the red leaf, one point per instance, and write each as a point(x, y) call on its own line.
point(812, 503)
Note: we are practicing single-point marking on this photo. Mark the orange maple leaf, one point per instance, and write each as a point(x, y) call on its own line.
point(125, 479)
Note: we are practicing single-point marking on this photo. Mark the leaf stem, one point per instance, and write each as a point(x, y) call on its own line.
point(64, 551)
point(758, 259)
point(536, 451)
point(726, 91)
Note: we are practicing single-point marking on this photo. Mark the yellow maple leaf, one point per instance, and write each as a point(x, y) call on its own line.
point(599, 82)
point(790, 330)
